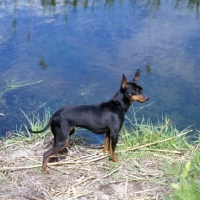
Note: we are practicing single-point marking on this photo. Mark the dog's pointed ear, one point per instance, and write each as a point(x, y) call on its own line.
point(124, 81)
point(137, 76)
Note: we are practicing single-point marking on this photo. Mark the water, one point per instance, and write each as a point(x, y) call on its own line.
point(56, 53)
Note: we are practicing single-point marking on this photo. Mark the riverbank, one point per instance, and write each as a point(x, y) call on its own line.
point(155, 162)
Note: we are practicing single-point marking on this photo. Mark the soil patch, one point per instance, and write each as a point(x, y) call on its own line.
point(84, 173)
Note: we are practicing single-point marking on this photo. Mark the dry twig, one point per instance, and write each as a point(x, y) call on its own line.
point(161, 130)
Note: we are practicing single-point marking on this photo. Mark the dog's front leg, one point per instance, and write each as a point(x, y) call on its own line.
point(106, 147)
point(113, 142)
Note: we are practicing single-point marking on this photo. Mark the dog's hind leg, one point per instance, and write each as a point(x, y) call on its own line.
point(72, 131)
point(61, 136)
point(47, 155)
point(64, 150)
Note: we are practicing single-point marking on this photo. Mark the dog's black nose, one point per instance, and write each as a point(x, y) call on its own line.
point(147, 98)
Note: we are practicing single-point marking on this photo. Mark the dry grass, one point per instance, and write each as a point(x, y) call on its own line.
point(84, 173)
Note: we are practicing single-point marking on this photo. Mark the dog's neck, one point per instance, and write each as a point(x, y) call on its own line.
point(123, 102)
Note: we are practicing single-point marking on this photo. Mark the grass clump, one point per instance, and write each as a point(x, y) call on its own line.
point(163, 137)
point(22, 133)
point(180, 158)
point(187, 187)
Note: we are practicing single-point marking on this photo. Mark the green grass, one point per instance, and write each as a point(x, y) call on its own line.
point(22, 134)
point(36, 124)
point(147, 133)
point(188, 187)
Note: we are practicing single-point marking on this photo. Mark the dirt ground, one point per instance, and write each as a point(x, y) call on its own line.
point(85, 173)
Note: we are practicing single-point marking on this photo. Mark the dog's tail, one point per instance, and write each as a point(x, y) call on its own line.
point(44, 129)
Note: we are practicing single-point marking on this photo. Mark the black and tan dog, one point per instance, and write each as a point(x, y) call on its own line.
point(106, 117)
